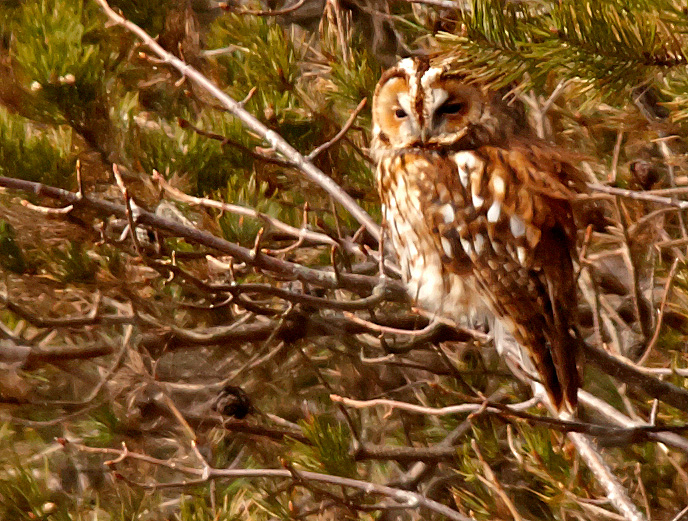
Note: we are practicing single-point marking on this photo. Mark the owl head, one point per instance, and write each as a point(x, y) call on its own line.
point(423, 103)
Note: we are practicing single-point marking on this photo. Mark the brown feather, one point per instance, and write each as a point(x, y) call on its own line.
point(480, 213)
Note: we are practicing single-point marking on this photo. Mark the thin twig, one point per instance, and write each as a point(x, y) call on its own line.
point(79, 180)
point(302, 298)
point(392, 330)
point(611, 178)
point(404, 498)
point(299, 240)
point(632, 375)
point(639, 196)
point(682, 515)
point(276, 12)
point(628, 257)
point(609, 413)
point(224, 141)
point(316, 152)
point(643, 492)
point(92, 318)
point(251, 122)
point(560, 422)
point(491, 482)
point(131, 218)
point(317, 277)
point(604, 476)
point(446, 4)
point(466, 408)
point(660, 317)
point(60, 420)
point(222, 50)
point(46, 210)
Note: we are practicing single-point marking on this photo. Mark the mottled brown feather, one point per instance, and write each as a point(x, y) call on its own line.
point(533, 292)
point(479, 212)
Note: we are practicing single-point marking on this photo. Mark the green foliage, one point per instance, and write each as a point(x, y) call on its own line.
point(175, 151)
point(354, 77)
point(72, 264)
point(234, 502)
point(99, 429)
point(330, 449)
point(61, 66)
point(250, 193)
point(298, 106)
point(24, 497)
point(35, 155)
point(55, 29)
point(539, 493)
point(263, 57)
point(229, 167)
point(11, 256)
point(617, 45)
point(168, 145)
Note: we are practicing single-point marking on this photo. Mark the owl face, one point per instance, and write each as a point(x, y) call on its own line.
point(418, 105)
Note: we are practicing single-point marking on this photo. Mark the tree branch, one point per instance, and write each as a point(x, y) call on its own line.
point(404, 498)
point(322, 278)
point(313, 173)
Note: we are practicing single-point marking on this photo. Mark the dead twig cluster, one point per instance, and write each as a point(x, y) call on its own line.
point(264, 361)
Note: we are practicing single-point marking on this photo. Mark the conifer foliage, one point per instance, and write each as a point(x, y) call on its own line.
point(194, 323)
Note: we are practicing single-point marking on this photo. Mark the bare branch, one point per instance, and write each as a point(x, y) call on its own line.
point(615, 492)
point(276, 12)
point(32, 355)
point(631, 375)
point(639, 196)
point(253, 124)
point(318, 238)
point(608, 412)
point(265, 262)
point(405, 499)
point(47, 210)
point(662, 307)
point(340, 134)
point(466, 408)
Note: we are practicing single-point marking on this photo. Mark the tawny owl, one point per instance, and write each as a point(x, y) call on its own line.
point(479, 212)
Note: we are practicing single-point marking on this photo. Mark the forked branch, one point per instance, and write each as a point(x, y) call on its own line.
point(278, 143)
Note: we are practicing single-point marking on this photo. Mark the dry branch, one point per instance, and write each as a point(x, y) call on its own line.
point(254, 125)
point(405, 499)
point(327, 279)
point(303, 233)
point(636, 379)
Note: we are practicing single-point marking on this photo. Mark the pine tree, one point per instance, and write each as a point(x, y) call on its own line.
point(180, 297)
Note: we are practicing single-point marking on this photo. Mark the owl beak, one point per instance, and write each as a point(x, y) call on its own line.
point(424, 135)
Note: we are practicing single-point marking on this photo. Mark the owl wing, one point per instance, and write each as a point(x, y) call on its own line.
point(505, 218)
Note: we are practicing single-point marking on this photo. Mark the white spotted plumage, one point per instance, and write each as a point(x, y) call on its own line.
point(494, 212)
point(480, 223)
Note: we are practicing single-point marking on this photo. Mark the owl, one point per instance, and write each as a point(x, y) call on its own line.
point(479, 212)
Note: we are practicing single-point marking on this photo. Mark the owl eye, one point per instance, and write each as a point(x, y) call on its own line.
point(452, 108)
point(400, 113)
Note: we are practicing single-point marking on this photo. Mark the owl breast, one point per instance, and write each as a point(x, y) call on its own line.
point(423, 254)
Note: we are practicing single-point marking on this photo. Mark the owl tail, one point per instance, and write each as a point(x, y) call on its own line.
point(563, 344)
point(562, 378)
point(544, 364)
